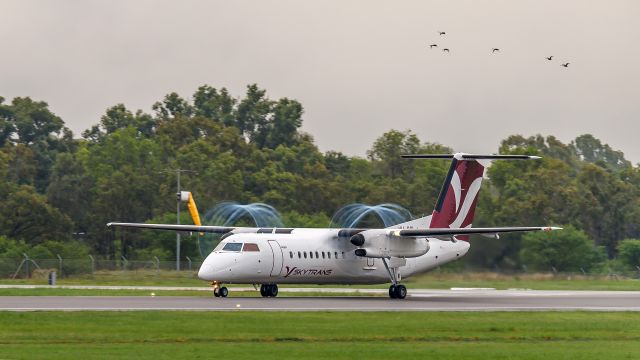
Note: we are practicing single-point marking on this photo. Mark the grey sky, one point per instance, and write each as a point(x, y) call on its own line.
point(359, 68)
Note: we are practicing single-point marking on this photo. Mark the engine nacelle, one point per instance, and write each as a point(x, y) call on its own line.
point(382, 243)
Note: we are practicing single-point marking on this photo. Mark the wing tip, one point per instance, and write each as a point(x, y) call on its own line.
point(551, 228)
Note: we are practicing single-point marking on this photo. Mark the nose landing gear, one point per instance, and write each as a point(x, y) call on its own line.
point(219, 291)
point(269, 290)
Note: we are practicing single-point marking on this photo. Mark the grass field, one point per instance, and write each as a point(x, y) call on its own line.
point(432, 280)
point(313, 335)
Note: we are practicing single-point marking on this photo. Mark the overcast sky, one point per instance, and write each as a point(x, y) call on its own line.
point(359, 68)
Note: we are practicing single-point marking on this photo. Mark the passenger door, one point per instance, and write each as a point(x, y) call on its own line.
point(277, 258)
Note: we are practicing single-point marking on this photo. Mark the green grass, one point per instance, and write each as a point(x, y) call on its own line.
point(437, 280)
point(310, 335)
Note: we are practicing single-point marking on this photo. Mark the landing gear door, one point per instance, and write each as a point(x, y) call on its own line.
point(277, 258)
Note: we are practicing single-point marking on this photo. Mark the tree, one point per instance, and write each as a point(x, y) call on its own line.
point(25, 215)
point(629, 252)
point(569, 249)
point(606, 206)
point(592, 150)
point(216, 105)
point(69, 190)
point(172, 106)
point(387, 149)
point(252, 115)
point(283, 127)
point(7, 127)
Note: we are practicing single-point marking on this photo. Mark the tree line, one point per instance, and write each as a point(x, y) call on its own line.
point(58, 191)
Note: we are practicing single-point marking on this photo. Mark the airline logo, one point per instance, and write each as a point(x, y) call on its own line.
point(295, 271)
point(457, 207)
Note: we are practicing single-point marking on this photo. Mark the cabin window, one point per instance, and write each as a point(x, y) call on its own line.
point(329, 254)
point(343, 254)
point(311, 254)
point(317, 255)
point(305, 254)
point(291, 254)
point(299, 255)
point(250, 247)
point(336, 254)
point(323, 254)
point(232, 247)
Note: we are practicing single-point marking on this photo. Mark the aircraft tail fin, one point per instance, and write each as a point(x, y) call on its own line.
point(456, 203)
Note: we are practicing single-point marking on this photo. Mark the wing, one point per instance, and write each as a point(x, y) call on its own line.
point(345, 232)
point(186, 228)
point(448, 232)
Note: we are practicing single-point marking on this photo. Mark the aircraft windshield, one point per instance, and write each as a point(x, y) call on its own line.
point(250, 247)
point(232, 247)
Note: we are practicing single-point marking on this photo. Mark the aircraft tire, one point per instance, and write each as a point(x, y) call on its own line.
point(273, 290)
point(263, 290)
point(223, 292)
point(392, 292)
point(401, 292)
point(216, 293)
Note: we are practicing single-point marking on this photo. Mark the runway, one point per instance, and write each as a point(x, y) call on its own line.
point(418, 300)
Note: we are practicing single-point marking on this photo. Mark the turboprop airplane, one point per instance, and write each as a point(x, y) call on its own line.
point(271, 256)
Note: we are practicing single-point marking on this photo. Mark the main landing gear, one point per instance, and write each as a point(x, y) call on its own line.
point(219, 291)
point(396, 291)
point(269, 290)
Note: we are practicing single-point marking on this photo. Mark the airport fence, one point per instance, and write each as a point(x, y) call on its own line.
point(27, 267)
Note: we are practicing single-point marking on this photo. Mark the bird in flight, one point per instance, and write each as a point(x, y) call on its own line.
point(445, 49)
point(432, 46)
point(442, 33)
point(550, 57)
point(494, 50)
point(565, 64)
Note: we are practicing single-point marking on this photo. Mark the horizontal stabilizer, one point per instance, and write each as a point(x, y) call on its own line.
point(461, 156)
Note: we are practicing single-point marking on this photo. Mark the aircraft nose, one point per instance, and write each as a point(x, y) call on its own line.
point(206, 271)
point(216, 267)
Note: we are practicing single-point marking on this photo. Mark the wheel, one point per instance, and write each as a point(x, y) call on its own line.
point(273, 290)
point(223, 292)
point(392, 291)
point(263, 290)
point(401, 291)
point(216, 293)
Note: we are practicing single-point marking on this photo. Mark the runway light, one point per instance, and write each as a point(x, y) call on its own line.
point(237, 305)
point(153, 294)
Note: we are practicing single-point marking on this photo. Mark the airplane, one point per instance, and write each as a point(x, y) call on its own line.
point(272, 256)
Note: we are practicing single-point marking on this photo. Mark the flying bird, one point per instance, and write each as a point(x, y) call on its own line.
point(565, 64)
point(550, 57)
point(494, 50)
point(445, 49)
point(432, 46)
point(442, 33)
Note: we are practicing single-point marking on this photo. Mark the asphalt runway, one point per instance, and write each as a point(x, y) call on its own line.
point(418, 300)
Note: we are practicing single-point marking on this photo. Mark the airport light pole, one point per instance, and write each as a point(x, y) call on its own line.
point(178, 172)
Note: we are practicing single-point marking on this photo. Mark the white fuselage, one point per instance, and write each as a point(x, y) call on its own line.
point(312, 256)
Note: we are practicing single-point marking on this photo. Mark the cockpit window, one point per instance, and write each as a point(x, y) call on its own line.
point(250, 247)
point(232, 247)
point(219, 246)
